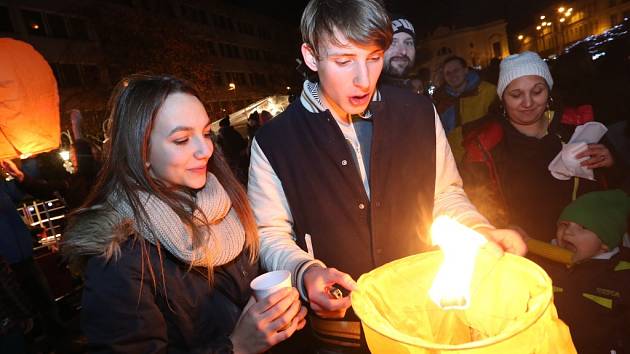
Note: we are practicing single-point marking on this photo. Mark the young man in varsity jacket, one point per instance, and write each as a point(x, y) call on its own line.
point(351, 176)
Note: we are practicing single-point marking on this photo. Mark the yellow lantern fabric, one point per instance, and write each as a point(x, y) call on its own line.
point(511, 309)
point(29, 101)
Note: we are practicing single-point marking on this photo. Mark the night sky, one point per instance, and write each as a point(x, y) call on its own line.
point(426, 15)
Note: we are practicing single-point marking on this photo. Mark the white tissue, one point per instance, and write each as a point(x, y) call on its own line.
point(565, 165)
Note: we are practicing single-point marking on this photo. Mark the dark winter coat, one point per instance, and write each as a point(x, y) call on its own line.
point(126, 310)
point(16, 243)
point(506, 176)
point(593, 299)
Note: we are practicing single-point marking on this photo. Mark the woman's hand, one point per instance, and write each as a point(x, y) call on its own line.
point(598, 156)
point(269, 322)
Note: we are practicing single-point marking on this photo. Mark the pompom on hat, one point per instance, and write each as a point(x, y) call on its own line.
point(519, 65)
point(605, 213)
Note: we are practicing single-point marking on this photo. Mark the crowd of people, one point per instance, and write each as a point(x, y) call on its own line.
point(169, 226)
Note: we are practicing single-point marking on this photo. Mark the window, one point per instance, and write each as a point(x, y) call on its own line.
point(229, 51)
point(613, 19)
point(69, 75)
point(5, 20)
point(57, 26)
point(115, 74)
point(91, 75)
point(260, 80)
point(219, 21)
point(263, 33)
point(496, 49)
point(223, 22)
point(235, 52)
point(444, 51)
point(211, 49)
point(194, 14)
point(246, 28)
point(34, 22)
point(159, 7)
point(78, 28)
point(229, 23)
point(217, 78)
point(122, 2)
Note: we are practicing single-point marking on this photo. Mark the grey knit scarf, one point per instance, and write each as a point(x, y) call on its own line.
point(223, 239)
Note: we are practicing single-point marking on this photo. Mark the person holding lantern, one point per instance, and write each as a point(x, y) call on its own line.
point(507, 169)
point(327, 192)
point(166, 240)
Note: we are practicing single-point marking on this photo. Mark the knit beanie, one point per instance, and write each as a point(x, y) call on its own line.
point(401, 24)
point(605, 213)
point(522, 64)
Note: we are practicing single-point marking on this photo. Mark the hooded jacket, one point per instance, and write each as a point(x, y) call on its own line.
point(128, 310)
point(509, 179)
point(456, 110)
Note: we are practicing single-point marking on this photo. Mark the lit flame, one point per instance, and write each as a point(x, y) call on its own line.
point(460, 244)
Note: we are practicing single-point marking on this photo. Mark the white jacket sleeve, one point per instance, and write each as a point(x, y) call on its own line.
point(450, 198)
point(278, 249)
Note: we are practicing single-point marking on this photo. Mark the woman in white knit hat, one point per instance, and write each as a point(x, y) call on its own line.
point(505, 168)
point(166, 241)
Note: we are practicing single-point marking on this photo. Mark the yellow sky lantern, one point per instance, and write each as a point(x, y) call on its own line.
point(29, 102)
point(492, 304)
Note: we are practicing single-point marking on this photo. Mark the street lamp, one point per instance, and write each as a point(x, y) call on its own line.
point(232, 87)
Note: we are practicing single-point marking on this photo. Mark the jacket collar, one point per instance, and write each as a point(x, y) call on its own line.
point(312, 102)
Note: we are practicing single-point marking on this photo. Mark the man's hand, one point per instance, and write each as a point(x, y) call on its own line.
point(504, 240)
point(318, 281)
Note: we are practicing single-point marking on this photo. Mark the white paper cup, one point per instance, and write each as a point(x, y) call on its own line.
point(268, 283)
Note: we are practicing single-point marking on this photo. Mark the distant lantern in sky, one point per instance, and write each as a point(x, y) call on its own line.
point(29, 102)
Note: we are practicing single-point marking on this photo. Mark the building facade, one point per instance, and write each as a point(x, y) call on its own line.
point(565, 23)
point(477, 45)
point(235, 56)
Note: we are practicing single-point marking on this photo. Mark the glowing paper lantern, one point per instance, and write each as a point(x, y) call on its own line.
point(29, 102)
point(509, 308)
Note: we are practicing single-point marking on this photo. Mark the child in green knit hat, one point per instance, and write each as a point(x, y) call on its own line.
point(594, 224)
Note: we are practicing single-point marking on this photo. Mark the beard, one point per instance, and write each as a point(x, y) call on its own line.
point(398, 66)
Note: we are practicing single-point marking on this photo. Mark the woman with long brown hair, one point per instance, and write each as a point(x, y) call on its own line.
point(166, 240)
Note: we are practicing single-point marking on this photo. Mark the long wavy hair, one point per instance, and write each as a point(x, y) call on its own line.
point(133, 107)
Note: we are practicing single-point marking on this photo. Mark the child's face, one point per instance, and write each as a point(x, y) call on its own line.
point(583, 242)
